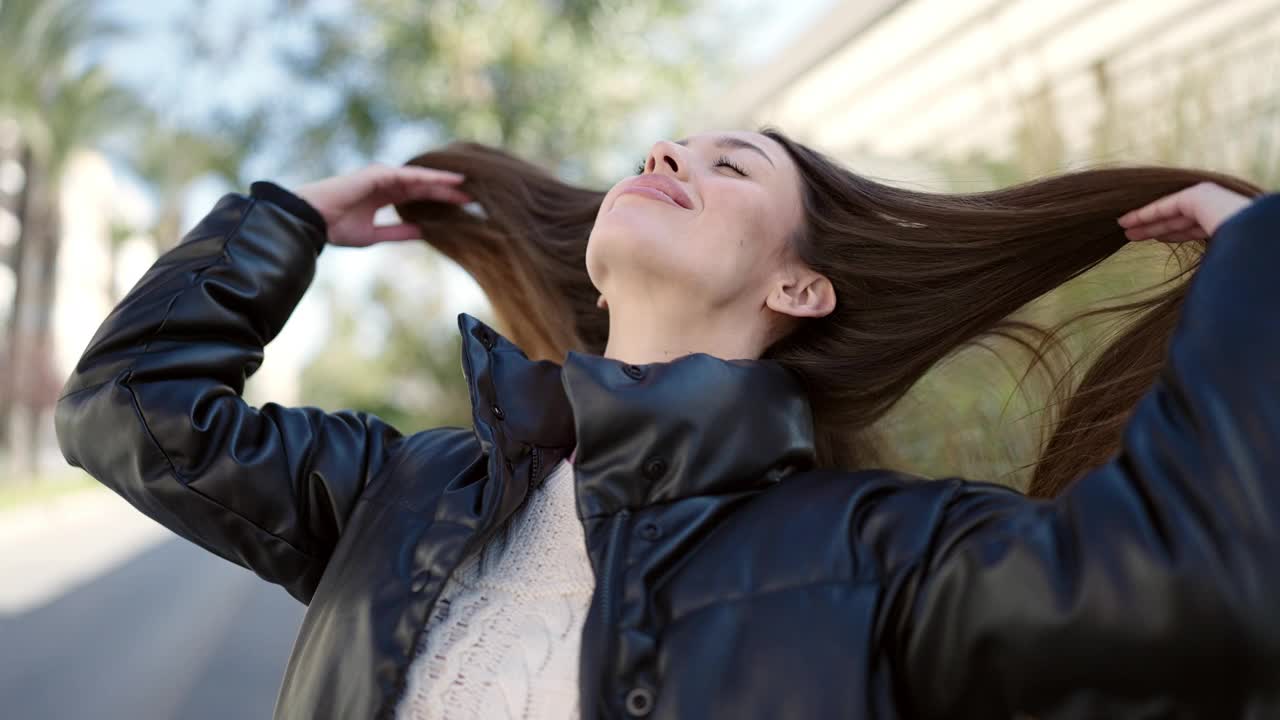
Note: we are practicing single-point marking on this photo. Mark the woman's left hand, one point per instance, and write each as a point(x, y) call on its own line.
point(1193, 213)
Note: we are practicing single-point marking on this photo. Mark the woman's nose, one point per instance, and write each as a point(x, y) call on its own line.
point(666, 156)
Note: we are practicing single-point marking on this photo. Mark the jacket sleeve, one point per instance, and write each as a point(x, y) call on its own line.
point(154, 411)
point(1151, 588)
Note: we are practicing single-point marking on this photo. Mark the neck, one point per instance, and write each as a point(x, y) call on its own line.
point(650, 336)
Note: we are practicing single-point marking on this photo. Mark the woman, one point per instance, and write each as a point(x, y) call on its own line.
point(736, 317)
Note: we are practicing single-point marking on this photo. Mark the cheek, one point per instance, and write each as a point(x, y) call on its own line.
point(737, 234)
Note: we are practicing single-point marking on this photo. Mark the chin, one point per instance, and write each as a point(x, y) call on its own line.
point(631, 235)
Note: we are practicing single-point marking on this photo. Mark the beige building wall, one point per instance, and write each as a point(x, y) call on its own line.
point(888, 81)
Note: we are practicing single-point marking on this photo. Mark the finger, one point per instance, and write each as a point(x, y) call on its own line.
point(1162, 227)
point(403, 188)
point(446, 194)
point(438, 193)
point(1181, 222)
point(1181, 236)
point(1166, 207)
point(1142, 232)
point(413, 173)
point(396, 233)
point(417, 173)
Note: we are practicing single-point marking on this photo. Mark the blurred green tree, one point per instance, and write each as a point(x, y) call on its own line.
point(561, 82)
point(557, 81)
point(54, 102)
point(170, 159)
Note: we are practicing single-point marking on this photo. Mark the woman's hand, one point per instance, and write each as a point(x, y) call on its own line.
point(348, 202)
point(1190, 214)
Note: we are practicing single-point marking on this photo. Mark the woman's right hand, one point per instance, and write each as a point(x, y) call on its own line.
point(1193, 213)
point(348, 202)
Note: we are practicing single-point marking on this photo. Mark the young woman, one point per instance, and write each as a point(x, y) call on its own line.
point(668, 504)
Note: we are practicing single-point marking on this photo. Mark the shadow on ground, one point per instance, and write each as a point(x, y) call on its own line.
point(174, 632)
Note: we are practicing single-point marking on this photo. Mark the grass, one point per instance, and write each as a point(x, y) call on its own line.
point(968, 418)
point(29, 491)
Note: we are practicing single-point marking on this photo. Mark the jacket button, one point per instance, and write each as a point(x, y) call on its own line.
point(650, 531)
point(418, 583)
point(639, 702)
point(497, 412)
point(654, 468)
point(635, 372)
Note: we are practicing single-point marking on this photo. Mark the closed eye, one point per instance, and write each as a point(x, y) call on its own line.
point(723, 160)
point(726, 162)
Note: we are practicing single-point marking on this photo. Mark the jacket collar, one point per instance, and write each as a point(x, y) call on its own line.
point(645, 434)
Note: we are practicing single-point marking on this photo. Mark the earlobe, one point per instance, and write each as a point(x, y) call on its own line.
point(602, 303)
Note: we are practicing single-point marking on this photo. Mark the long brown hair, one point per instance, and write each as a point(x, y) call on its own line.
point(917, 275)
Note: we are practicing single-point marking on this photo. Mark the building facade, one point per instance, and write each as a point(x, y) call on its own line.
point(889, 84)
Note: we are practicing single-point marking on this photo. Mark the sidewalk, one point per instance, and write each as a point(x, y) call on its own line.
point(54, 544)
point(105, 614)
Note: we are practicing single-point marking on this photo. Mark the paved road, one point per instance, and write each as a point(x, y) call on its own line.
point(105, 615)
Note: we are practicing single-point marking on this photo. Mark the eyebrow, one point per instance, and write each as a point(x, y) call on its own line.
point(728, 141)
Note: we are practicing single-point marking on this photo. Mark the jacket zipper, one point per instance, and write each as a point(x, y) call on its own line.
point(533, 468)
point(606, 583)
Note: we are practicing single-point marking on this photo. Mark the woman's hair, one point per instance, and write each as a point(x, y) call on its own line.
point(917, 276)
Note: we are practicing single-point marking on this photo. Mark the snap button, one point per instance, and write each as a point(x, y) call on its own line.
point(639, 701)
point(635, 372)
point(497, 412)
point(654, 468)
point(650, 531)
point(485, 338)
point(418, 583)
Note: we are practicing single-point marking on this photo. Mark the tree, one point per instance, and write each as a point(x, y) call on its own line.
point(58, 103)
point(565, 84)
point(409, 371)
point(170, 159)
point(556, 81)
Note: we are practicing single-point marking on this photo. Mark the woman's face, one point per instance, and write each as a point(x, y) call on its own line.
point(702, 228)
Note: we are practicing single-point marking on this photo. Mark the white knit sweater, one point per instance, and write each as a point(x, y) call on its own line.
point(503, 639)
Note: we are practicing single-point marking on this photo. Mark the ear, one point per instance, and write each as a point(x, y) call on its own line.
point(806, 294)
point(602, 303)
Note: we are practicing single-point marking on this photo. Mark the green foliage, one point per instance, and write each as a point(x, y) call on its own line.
point(34, 490)
point(409, 373)
point(979, 414)
point(58, 102)
point(555, 81)
point(561, 82)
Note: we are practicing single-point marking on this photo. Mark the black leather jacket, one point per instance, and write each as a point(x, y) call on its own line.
point(733, 581)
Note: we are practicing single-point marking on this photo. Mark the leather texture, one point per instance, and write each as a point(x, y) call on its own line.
point(733, 579)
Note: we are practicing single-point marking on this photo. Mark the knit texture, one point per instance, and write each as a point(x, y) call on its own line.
point(503, 639)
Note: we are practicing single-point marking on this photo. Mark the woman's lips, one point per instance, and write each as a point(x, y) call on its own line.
point(659, 187)
point(651, 192)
